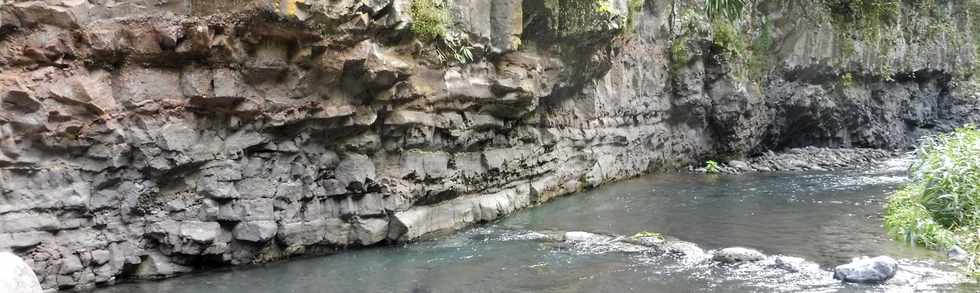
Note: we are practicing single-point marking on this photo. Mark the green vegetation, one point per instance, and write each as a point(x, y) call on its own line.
point(727, 9)
point(635, 8)
point(693, 24)
point(759, 53)
point(647, 234)
point(429, 19)
point(867, 18)
point(712, 167)
point(847, 80)
point(729, 40)
point(454, 49)
point(679, 55)
point(941, 206)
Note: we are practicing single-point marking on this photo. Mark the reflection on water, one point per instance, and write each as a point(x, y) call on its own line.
point(825, 218)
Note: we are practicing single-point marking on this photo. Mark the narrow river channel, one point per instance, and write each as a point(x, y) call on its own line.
point(826, 218)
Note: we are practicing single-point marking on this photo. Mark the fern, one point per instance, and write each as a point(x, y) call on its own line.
point(728, 9)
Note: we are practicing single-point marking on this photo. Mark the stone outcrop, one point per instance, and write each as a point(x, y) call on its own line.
point(142, 139)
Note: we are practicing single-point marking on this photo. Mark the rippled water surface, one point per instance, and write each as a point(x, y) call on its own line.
point(825, 218)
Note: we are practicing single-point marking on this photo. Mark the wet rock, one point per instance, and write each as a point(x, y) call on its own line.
point(370, 231)
point(255, 231)
point(740, 165)
point(737, 255)
point(16, 276)
point(867, 270)
point(794, 264)
point(156, 265)
point(957, 253)
point(655, 242)
point(684, 248)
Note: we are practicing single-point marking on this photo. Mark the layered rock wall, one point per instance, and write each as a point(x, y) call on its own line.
point(148, 138)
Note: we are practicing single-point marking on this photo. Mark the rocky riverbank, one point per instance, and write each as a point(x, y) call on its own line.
point(803, 159)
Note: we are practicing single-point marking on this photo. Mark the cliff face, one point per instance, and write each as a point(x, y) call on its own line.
point(146, 138)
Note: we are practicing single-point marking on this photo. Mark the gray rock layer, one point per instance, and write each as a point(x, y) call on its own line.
point(149, 138)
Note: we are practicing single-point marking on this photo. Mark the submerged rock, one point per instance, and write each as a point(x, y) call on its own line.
point(867, 270)
point(737, 255)
point(794, 264)
point(655, 242)
point(579, 236)
point(683, 248)
point(16, 276)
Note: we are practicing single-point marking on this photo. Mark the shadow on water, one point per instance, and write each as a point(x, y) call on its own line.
point(823, 217)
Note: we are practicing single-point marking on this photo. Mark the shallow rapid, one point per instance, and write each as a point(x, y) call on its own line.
point(826, 218)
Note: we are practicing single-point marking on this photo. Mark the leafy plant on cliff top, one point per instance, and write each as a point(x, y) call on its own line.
point(728, 9)
point(429, 18)
point(728, 38)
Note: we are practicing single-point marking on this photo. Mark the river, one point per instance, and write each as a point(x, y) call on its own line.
point(826, 218)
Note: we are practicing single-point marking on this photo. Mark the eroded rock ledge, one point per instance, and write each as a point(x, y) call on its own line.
point(141, 139)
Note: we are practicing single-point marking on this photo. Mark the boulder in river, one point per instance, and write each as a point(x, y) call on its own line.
point(683, 248)
point(867, 270)
point(16, 276)
point(737, 255)
point(957, 253)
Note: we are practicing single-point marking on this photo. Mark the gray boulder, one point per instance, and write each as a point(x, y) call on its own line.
point(737, 255)
point(867, 270)
point(957, 253)
point(683, 248)
point(16, 276)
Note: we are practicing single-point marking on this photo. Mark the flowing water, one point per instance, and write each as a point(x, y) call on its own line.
point(826, 218)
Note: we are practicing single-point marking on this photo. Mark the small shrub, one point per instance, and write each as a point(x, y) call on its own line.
point(712, 167)
point(847, 80)
point(429, 19)
point(679, 54)
point(728, 39)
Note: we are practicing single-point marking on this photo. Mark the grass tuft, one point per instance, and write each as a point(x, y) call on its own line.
point(941, 206)
point(429, 20)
